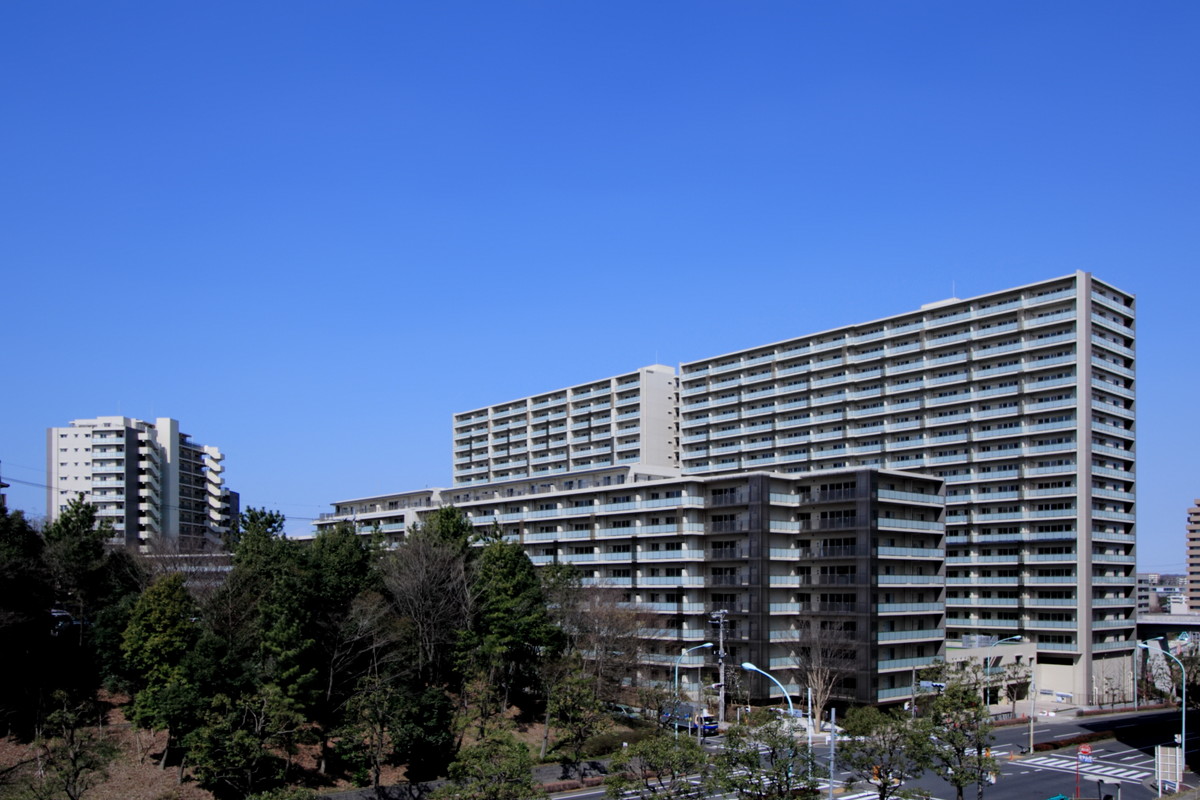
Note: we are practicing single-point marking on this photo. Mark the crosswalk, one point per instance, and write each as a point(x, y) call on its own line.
point(1102, 770)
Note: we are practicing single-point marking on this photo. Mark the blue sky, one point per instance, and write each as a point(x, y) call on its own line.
point(312, 231)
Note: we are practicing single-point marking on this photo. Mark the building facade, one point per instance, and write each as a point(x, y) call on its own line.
point(846, 566)
point(1022, 401)
point(150, 482)
point(628, 419)
point(1193, 556)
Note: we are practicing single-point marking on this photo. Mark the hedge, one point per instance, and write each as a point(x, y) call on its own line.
point(1123, 709)
point(1082, 738)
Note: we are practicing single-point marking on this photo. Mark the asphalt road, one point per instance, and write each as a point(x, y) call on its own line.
point(1128, 759)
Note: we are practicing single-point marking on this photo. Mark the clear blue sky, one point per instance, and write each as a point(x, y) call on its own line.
point(312, 231)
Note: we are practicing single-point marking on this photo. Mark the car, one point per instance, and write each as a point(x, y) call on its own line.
point(687, 715)
point(622, 711)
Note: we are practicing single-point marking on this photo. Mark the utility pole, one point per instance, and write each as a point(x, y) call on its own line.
point(719, 618)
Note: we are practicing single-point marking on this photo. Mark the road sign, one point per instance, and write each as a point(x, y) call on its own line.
point(1086, 759)
point(1168, 766)
point(1085, 749)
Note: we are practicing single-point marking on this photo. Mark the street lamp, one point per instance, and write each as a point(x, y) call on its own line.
point(746, 665)
point(987, 666)
point(1182, 699)
point(677, 663)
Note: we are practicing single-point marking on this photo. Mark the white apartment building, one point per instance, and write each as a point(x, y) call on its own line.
point(629, 419)
point(1022, 401)
point(153, 485)
point(847, 564)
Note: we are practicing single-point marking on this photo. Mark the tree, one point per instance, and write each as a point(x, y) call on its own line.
point(161, 632)
point(660, 766)
point(825, 656)
point(596, 624)
point(235, 751)
point(512, 630)
point(368, 735)
point(429, 584)
point(74, 553)
point(577, 712)
point(885, 750)
point(762, 760)
point(496, 768)
point(73, 757)
point(1015, 681)
point(424, 732)
point(25, 597)
point(960, 731)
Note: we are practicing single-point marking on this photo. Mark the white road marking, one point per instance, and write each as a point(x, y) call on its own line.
point(1103, 770)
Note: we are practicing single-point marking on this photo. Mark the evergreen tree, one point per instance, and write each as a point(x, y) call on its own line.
point(26, 596)
point(512, 631)
point(497, 768)
point(162, 631)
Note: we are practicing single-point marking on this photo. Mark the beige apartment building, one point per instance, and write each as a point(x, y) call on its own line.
point(153, 484)
point(628, 419)
point(1020, 401)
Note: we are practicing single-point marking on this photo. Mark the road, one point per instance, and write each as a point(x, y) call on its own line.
point(1128, 759)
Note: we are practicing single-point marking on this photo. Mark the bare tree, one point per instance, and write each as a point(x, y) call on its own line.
point(825, 655)
point(1015, 682)
point(431, 589)
point(599, 626)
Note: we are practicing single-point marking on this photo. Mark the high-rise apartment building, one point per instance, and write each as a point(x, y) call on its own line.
point(1193, 557)
point(629, 419)
point(149, 481)
point(1022, 401)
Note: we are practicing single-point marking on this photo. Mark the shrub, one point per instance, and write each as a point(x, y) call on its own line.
point(561, 786)
point(1122, 710)
point(1004, 723)
point(285, 793)
point(1082, 738)
point(607, 743)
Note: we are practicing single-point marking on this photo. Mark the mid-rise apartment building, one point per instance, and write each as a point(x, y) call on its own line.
point(150, 482)
point(1022, 401)
point(845, 565)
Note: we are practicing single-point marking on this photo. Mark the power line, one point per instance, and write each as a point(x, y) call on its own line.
point(165, 505)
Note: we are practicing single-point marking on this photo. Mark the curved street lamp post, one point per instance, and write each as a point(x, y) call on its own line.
point(677, 663)
point(1182, 699)
point(987, 668)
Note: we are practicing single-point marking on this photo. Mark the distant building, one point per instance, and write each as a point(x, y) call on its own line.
point(1193, 556)
point(156, 487)
point(1161, 594)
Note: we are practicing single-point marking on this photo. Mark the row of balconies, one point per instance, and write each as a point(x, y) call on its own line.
point(1028, 387)
point(1029, 404)
point(979, 372)
point(796, 349)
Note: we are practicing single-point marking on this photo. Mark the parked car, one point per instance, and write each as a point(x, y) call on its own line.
point(622, 711)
